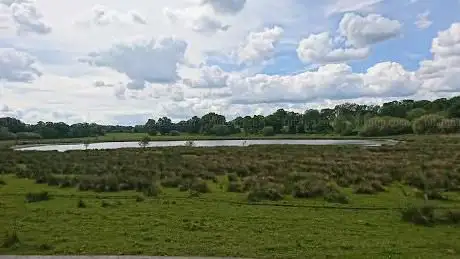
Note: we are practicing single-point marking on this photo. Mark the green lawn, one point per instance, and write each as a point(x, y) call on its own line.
point(218, 224)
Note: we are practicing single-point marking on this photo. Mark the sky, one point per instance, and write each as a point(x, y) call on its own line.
point(122, 62)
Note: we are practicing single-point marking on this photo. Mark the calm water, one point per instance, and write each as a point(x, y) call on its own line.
point(207, 143)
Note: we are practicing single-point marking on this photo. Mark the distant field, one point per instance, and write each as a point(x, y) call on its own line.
point(253, 202)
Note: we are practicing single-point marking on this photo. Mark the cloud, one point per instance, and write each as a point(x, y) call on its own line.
point(225, 6)
point(151, 61)
point(320, 49)
point(442, 73)
point(24, 15)
point(423, 21)
point(343, 6)
point(259, 46)
point(17, 66)
point(196, 19)
point(362, 31)
point(100, 15)
point(209, 77)
point(331, 81)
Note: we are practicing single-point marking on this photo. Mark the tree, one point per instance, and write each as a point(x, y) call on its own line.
point(427, 124)
point(144, 142)
point(415, 113)
point(385, 126)
point(454, 110)
point(268, 131)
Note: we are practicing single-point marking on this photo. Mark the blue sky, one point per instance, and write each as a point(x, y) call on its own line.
point(116, 61)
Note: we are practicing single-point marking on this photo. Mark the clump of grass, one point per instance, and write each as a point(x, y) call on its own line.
point(266, 191)
point(105, 204)
point(2, 182)
point(45, 247)
point(81, 204)
point(337, 197)
point(419, 215)
point(171, 182)
point(234, 186)
point(232, 177)
point(152, 191)
point(139, 198)
point(37, 197)
point(364, 188)
point(11, 239)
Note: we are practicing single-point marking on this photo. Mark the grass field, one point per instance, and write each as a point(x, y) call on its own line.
point(219, 222)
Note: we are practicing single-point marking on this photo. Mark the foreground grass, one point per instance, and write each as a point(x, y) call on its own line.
point(217, 224)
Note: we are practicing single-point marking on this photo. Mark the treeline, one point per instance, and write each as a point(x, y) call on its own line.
point(391, 118)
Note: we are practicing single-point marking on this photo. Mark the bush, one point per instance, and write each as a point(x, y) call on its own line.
point(2, 182)
point(364, 188)
point(449, 126)
point(174, 133)
point(420, 215)
point(312, 188)
point(220, 130)
point(268, 131)
point(234, 186)
point(28, 135)
point(267, 191)
point(36, 197)
point(452, 216)
point(232, 177)
point(11, 239)
point(171, 182)
point(427, 124)
point(152, 133)
point(81, 204)
point(337, 197)
point(200, 186)
point(385, 126)
point(152, 191)
point(139, 199)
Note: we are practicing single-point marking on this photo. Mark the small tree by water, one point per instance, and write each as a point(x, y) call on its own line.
point(144, 142)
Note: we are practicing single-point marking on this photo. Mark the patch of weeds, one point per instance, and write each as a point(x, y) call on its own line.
point(337, 197)
point(11, 239)
point(45, 247)
point(140, 198)
point(234, 186)
point(200, 186)
point(2, 182)
point(106, 204)
point(152, 191)
point(451, 217)
point(419, 215)
point(364, 188)
point(232, 177)
point(81, 204)
point(268, 191)
point(37, 197)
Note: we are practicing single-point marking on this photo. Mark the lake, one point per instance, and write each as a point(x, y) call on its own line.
point(207, 143)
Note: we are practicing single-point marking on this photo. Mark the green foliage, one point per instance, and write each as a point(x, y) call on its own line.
point(415, 113)
point(454, 110)
point(220, 130)
point(37, 197)
point(174, 133)
point(268, 131)
point(265, 191)
point(427, 124)
point(28, 135)
point(144, 142)
point(385, 126)
point(81, 204)
point(10, 239)
point(420, 215)
point(6, 135)
point(234, 186)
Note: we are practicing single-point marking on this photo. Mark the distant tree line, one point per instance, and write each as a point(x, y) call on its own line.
point(391, 118)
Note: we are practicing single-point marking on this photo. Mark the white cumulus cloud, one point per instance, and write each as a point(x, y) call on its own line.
point(260, 45)
point(17, 66)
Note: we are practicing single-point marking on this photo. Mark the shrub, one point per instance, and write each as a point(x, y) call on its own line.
point(385, 126)
point(234, 186)
point(200, 186)
point(36, 197)
point(81, 204)
point(232, 177)
point(420, 215)
point(11, 239)
point(220, 130)
point(2, 182)
point(105, 204)
point(449, 126)
point(452, 216)
point(171, 182)
point(312, 188)
point(139, 198)
point(427, 124)
point(268, 191)
point(28, 135)
point(365, 188)
point(268, 131)
point(152, 191)
point(174, 133)
point(337, 197)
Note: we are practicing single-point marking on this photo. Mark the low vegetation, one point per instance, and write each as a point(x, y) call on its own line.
point(317, 201)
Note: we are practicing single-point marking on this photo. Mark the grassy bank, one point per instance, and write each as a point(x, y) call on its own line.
point(257, 201)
